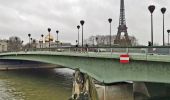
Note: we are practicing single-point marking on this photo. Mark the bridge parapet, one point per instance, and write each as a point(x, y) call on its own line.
point(104, 66)
point(136, 53)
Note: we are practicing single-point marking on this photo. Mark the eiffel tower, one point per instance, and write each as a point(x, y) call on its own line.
point(125, 41)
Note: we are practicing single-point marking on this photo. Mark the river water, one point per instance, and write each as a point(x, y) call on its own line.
point(56, 84)
point(36, 84)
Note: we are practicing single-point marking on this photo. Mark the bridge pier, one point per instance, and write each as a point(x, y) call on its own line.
point(115, 91)
point(123, 91)
point(83, 87)
point(140, 91)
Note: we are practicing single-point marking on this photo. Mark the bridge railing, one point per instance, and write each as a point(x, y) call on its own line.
point(145, 50)
point(138, 50)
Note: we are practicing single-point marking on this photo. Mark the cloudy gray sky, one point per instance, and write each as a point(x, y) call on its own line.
point(20, 17)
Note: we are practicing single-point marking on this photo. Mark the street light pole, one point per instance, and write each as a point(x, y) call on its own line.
point(29, 35)
point(110, 21)
point(49, 30)
point(57, 34)
point(78, 27)
point(57, 37)
point(82, 23)
point(31, 43)
point(168, 36)
point(151, 9)
point(163, 10)
point(42, 39)
point(97, 41)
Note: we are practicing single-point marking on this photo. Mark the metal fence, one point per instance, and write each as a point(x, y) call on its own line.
point(138, 50)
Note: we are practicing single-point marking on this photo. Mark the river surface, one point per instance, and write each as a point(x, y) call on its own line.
point(56, 84)
point(36, 84)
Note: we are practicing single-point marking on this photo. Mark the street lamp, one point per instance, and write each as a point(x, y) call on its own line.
point(31, 40)
point(57, 34)
point(49, 30)
point(22, 44)
point(97, 41)
point(29, 35)
point(78, 27)
point(82, 23)
point(31, 43)
point(168, 35)
point(16, 42)
point(76, 43)
point(151, 8)
point(163, 10)
point(42, 39)
point(57, 37)
point(110, 21)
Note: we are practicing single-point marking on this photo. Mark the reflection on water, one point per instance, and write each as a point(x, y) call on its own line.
point(36, 84)
point(8, 93)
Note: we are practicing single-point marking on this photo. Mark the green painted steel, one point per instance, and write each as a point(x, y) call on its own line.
point(105, 67)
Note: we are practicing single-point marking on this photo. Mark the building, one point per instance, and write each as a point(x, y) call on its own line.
point(44, 43)
point(3, 45)
point(104, 40)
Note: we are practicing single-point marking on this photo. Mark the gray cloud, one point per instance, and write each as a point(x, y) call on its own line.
point(20, 17)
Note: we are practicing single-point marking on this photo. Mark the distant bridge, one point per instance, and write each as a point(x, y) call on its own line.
point(146, 63)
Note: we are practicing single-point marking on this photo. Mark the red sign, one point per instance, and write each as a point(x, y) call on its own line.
point(124, 58)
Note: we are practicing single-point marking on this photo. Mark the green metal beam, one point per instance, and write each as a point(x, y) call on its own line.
point(104, 69)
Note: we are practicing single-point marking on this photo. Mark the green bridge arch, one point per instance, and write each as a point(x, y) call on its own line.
point(103, 68)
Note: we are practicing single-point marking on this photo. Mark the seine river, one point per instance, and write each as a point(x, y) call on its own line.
point(36, 84)
point(56, 84)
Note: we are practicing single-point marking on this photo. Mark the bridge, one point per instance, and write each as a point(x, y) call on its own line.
point(147, 64)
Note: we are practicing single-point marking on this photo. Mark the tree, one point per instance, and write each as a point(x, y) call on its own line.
point(14, 44)
point(133, 40)
point(104, 40)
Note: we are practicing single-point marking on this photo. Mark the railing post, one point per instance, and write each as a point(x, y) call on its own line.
point(81, 49)
point(127, 50)
point(69, 49)
point(146, 52)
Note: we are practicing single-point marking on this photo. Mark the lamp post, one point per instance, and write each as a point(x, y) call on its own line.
point(97, 41)
point(16, 42)
point(57, 37)
point(22, 44)
point(163, 10)
point(76, 43)
point(151, 8)
point(49, 30)
point(31, 43)
point(82, 23)
point(42, 40)
point(78, 27)
point(57, 34)
point(29, 35)
point(168, 36)
point(110, 21)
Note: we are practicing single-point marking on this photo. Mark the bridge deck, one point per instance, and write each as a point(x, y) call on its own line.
point(104, 66)
point(133, 56)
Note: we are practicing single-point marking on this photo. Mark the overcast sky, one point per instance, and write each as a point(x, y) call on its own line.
point(20, 17)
